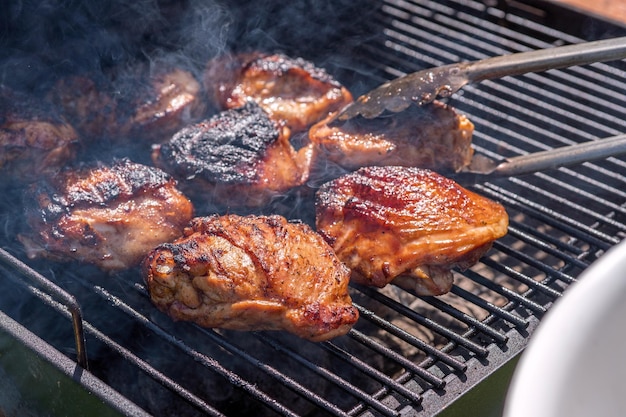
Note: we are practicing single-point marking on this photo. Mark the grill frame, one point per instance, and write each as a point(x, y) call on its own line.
point(484, 345)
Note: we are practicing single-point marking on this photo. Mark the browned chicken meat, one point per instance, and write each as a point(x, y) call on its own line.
point(406, 225)
point(35, 141)
point(110, 216)
point(237, 157)
point(252, 273)
point(289, 89)
point(147, 102)
point(433, 136)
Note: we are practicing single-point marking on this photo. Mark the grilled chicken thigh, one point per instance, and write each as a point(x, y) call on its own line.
point(35, 141)
point(111, 216)
point(433, 136)
point(146, 103)
point(252, 273)
point(237, 157)
point(292, 90)
point(405, 225)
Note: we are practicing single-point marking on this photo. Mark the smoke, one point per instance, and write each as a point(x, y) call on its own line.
point(40, 40)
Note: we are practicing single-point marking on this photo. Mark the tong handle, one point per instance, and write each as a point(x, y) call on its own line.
point(546, 59)
point(566, 155)
point(424, 86)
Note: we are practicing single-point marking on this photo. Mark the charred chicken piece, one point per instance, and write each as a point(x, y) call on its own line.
point(433, 136)
point(292, 90)
point(110, 216)
point(405, 225)
point(238, 157)
point(252, 273)
point(146, 103)
point(35, 141)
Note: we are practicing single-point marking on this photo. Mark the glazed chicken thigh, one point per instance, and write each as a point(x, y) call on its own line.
point(252, 273)
point(110, 216)
point(35, 140)
point(292, 90)
point(145, 103)
point(408, 226)
point(434, 136)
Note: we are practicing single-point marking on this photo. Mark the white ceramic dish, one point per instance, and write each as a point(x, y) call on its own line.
point(575, 364)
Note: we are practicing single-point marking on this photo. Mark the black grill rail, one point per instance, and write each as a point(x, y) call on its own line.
point(407, 355)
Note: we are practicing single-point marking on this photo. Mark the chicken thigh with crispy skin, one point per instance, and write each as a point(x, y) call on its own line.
point(110, 216)
point(292, 90)
point(35, 141)
point(239, 157)
point(252, 273)
point(434, 136)
point(404, 225)
point(144, 102)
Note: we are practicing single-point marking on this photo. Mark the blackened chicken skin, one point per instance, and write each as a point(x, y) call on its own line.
point(35, 141)
point(252, 273)
point(239, 157)
point(145, 103)
point(405, 225)
point(110, 216)
point(434, 136)
point(292, 90)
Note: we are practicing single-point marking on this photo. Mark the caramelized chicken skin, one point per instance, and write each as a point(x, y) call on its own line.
point(405, 225)
point(35, 141)
point(292, 90)
point(237, 157)
point(149, 103)
point(110, 216)
point(252, 273)
point(434, 136)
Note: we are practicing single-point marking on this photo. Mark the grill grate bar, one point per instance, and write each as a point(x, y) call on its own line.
point(488, 306)
point(547, 245)
point(209, 362)
point(389, 383)
point(122, 351)
point(540, 266)
point(595, 183)
point(470, 321)
point(424, 321)
point(548, 216)
point(363, 396)
point(357, 393)
point(401, 360)
point(68, 300)
point(409, 338)
point(506, 292)
point(608, 205)
point(524, 279)
point(153, 373)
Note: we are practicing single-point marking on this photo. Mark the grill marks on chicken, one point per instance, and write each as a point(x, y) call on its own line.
point(35, 141)
point(433, 136)
point(110, 216)
point(409, 226)
point(238, 157)
point(252, 273)
point(292, 90)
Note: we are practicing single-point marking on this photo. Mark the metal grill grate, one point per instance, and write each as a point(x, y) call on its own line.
point(407, 355)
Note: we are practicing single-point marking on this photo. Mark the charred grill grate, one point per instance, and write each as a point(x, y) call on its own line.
point(407, 355)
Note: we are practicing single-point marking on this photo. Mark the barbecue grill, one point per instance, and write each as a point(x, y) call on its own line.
point(77, 341)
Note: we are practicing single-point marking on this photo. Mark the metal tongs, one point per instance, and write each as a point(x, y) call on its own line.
point(484, 167)
point(422, 87)
point(425, 86)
